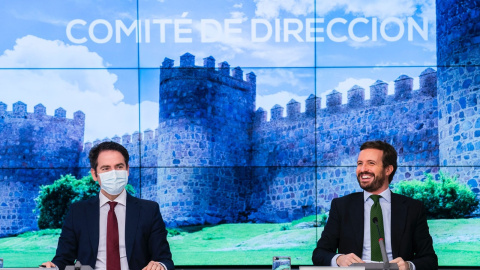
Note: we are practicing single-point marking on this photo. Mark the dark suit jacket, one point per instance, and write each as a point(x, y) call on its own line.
point(145, 234)
point(410, 237)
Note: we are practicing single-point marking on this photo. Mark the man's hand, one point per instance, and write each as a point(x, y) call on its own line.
point(154, 266)
point(402, 265)
point(49, 265)
point(346, 260)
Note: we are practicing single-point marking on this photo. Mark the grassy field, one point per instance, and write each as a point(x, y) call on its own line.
point(457, 242)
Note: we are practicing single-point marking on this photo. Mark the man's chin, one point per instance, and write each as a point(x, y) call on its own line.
point(364, 183)
point(366, 186)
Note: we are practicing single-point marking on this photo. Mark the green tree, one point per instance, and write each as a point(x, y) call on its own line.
point(54, 200)
point(446, 198)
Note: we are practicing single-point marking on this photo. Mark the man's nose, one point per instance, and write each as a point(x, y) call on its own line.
point(363, 168)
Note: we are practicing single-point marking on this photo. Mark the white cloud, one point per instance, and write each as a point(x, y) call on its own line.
point(277, 77)
point(366, 44)
point(360, 8)
point(271, 8)
point(411, 63)
point(279, 56)
point(33, 52)
point(239, 5)
point(228, 46)
point(428, 47)
point(379, 8)
point(428, 10)
point(239, 15)
point(368, 8)
point(89, 90)
point(126, 16)
point(270, 55)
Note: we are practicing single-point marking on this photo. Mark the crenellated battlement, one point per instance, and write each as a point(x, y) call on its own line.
point(187, 69)
point(196, 104)
point(147, 136)
point(214, 157)
point(403, 91)
point(19, 111)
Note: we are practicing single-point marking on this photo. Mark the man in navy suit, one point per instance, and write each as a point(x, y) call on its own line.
point(141, 236)
point(346, 238)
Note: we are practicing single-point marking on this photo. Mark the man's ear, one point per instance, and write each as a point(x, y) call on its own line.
point(94, 175)
point(389, 170)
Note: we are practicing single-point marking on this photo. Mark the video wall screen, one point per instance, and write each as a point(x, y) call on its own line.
point(243, 118)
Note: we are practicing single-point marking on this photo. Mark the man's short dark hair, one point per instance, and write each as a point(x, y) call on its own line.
point(97, 149)
point(389, 154)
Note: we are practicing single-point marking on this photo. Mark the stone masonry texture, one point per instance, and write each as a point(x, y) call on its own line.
point(214, 158)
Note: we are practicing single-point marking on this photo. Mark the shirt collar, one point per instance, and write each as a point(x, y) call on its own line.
point(121, 199)
point(386, 194)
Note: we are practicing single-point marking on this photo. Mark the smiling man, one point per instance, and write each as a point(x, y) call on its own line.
point(350, 235)
point(114, 230)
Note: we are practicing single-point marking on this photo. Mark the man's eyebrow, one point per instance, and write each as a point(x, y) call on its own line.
point(368, 160)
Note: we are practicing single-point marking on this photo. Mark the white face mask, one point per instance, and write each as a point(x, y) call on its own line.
point(113, 182)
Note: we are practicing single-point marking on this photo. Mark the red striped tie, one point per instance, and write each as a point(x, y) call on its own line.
point(113, 249)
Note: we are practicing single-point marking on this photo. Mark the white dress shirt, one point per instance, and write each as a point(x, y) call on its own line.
point(120, 211)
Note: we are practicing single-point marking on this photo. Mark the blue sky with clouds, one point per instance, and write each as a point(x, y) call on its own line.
point(77, 55)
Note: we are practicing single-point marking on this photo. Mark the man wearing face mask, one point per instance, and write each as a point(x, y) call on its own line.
point(351, 234)
point(114, 230)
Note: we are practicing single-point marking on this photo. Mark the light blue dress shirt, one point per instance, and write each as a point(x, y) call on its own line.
point(386, 204)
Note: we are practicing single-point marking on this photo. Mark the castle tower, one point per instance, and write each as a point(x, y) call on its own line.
point(202, 163)
point(36, 149)
point(458, 54)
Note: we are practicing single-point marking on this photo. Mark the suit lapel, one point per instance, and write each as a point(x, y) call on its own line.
point(131, 223)
point(399, 217)
point(356, 212)
point(92, 215)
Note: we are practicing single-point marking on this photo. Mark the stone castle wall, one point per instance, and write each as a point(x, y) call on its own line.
point(205, 125)
point(265, 171)
point(214, 159)
point(458, 57)
point(334, 134)
point(35, 149)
